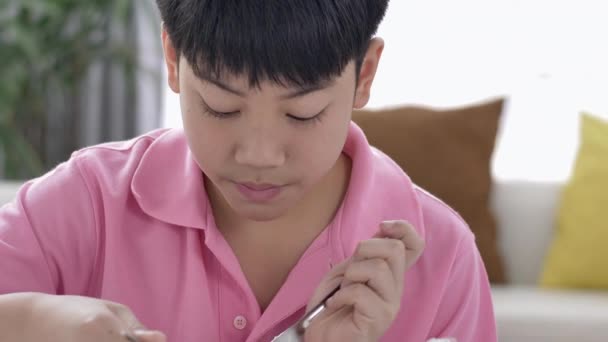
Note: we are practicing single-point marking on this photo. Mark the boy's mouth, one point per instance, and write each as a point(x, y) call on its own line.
point(259, 192)
point(259, 186)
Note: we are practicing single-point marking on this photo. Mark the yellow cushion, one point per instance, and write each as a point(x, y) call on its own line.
point(578, 257)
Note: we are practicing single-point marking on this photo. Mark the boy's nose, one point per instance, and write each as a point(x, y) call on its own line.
point(260, 150)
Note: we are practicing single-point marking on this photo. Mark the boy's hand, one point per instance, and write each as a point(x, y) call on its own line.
point(73, 318)
point(372, 283)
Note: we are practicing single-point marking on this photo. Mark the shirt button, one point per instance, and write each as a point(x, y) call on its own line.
point(240, 322)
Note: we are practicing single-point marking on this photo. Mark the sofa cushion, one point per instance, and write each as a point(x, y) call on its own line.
point(577, 258)
point(447, 152)
point(530, 314)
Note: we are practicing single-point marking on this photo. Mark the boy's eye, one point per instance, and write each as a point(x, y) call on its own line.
point(298, 118)
point(306, 120)
point(223, 114)
point(218, 114)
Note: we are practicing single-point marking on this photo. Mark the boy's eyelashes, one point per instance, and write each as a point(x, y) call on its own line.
point(304, 119)
point(299, 119)
point(307, 120)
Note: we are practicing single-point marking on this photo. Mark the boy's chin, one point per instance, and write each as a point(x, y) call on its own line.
point(261, 213)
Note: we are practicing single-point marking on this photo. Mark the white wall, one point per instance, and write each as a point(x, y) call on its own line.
point(549, 57)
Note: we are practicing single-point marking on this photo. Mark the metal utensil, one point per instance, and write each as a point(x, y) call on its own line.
point(295, 333)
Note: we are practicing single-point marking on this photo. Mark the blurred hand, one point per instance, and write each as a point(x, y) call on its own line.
point(372, 283)
point(76, 319)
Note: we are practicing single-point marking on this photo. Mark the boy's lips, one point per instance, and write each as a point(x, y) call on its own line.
point(259, 192)
point(259, 186)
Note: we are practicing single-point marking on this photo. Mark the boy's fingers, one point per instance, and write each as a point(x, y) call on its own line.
point(374, 248)
point(331, 280)
point(149, 336)
point(404, 231)
point(391, 251)
point(135, 331)
point(375, 273)
point(360, 297)
point(125, 315)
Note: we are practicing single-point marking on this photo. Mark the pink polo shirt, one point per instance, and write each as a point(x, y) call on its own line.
point(131, 222)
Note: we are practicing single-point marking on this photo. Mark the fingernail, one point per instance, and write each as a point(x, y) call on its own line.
point(388, 225)
point(146, 333)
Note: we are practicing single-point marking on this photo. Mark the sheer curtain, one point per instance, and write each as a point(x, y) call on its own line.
point(109, 107)
point(547, 56)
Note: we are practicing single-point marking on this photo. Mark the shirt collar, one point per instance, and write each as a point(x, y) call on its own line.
point(168, 183)
point(378, 191)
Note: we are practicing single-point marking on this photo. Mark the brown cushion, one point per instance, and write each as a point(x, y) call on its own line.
point(447, 152)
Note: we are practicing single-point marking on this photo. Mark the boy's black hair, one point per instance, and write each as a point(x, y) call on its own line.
point(289, 42)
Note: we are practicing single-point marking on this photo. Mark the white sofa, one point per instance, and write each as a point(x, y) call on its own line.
point(8, 191)
point(525, 214)
point(524, 313)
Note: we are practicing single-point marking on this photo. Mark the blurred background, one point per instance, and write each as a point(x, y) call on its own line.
point(74, 73)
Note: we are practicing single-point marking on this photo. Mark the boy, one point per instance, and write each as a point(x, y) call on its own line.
point(223, 231)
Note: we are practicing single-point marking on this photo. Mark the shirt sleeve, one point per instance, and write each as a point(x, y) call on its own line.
point(48, 235)
point(466, 312)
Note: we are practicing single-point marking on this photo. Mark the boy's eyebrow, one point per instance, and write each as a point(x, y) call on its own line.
point(308, 89)
point(296, 93)
point(221, 85)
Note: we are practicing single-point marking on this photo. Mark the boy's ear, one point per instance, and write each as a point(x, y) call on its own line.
point(368, 72)
point(171, 59)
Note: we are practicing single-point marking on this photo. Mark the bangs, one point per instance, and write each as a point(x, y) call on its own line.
point(291, 43)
